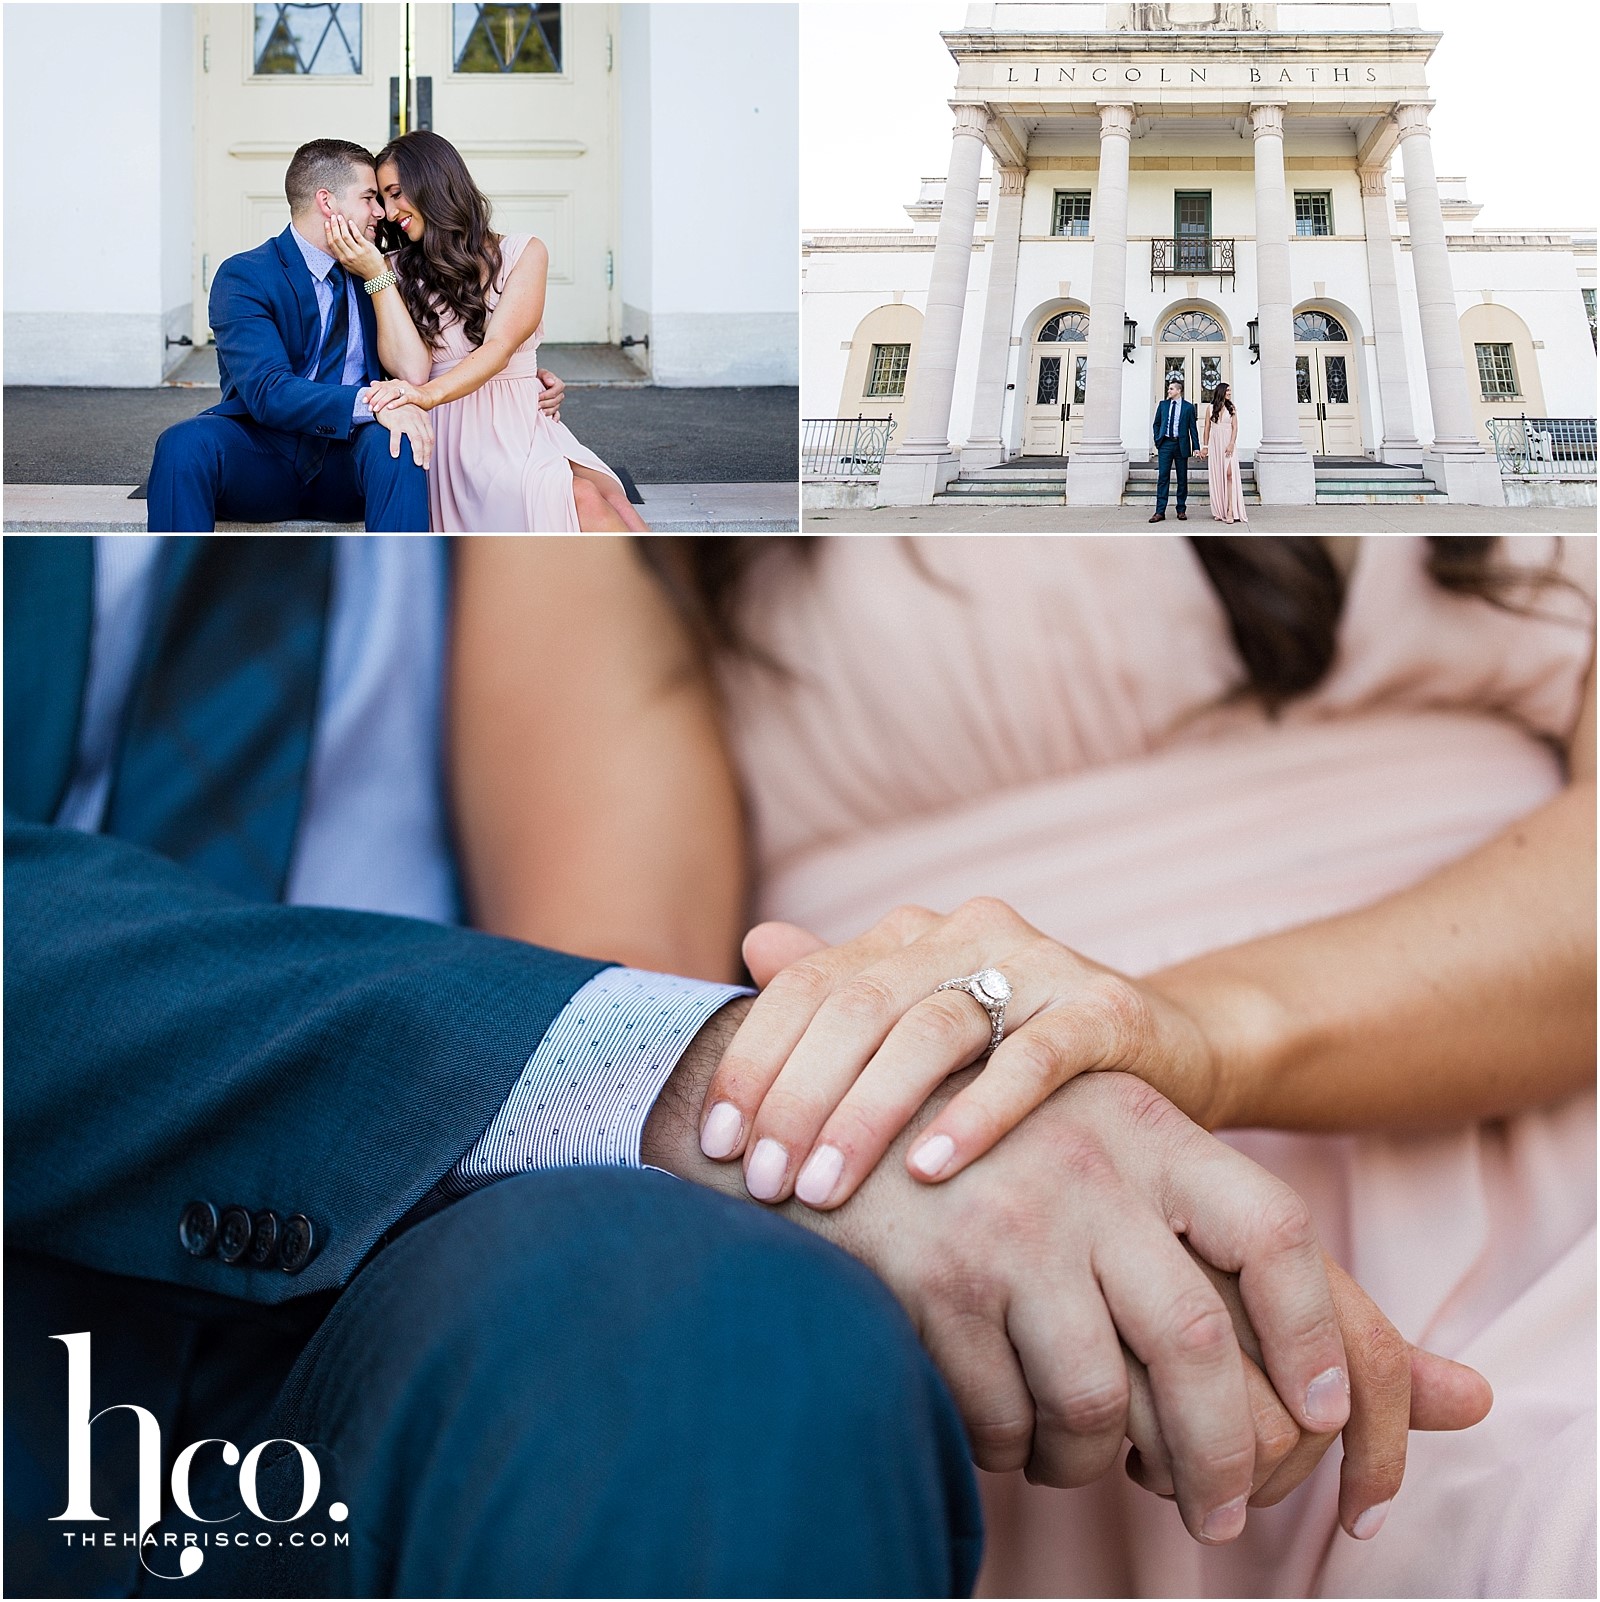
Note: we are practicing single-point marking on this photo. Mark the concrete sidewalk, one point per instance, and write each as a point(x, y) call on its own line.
point(1352, 519)
point(667, 508)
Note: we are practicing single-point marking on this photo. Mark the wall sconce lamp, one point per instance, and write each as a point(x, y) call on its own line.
point(1254, 325)
point(1130, 337)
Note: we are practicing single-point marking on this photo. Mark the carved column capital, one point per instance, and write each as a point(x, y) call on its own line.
point(1411, 120)
point(1012, 179)
point(1116, 118)
point(1266, 118)
point(972, 117)
point(1374, 180)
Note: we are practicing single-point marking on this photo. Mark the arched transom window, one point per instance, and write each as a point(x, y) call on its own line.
point(1068, 327)
point(1318, 326)
point(1193, 328)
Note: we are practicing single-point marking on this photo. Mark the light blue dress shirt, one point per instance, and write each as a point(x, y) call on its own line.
point(355, 350)
point(373, 837)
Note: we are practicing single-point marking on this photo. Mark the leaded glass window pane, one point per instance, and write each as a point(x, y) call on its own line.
point(1080, 380)
point(1192, 328)
point(1317, 327)
point(1049, 391)
point(1177, 367)
point(507, 38)
point(1302, 379)
point(887, 380)
point(1313, 213)
point(1588, 306)
point(1072, 212)
point(1338, 383)
point(1068, 327)
point(1210, 374)
point(1497, 374)
point(307, 40)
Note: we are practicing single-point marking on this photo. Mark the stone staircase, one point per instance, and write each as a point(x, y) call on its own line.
point(1140, 490)
point(1016, 485)
point(1375, 484)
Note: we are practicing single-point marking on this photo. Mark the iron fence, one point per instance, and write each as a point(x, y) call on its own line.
point(844, 447)
point(1194, 256)
point(1553, 446)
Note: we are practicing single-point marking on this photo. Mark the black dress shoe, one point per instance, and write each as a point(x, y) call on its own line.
point(1183, 517)
point(1160, 517)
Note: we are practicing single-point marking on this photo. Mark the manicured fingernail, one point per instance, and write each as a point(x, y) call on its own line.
point(820, 1176)
point(723, 1127)
point(1328, 1399)
point(769, 1162)
point(1225, 1522)
point(1369, 1523)
point(932, 1157)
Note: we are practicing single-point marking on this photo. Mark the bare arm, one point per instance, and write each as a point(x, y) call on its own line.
point(1468, 996)
point(400, 346)
point(595, 804)
point(516, 315)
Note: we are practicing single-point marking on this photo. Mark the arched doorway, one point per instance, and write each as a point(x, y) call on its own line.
point(1058, 379)
point(1193, 345)
point(1325, 383)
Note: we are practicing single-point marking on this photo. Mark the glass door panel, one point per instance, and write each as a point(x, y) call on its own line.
point(1192, 224)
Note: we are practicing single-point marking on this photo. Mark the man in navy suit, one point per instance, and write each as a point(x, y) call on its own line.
point(293, 1160)
point(1176, 439)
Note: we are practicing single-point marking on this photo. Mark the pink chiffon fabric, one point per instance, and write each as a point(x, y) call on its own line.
point(500, 466)
point(1040, 719)
point(1222, 471)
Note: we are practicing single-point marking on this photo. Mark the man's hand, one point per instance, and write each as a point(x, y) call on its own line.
point(409, 423)
point(553, 391)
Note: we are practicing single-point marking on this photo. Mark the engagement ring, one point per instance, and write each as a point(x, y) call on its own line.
point(991, 990)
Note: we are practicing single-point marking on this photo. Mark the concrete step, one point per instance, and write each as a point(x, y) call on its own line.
point(667, 508)
point(1057, 498)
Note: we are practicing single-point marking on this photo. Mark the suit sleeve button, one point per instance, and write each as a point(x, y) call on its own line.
point(197, 1228)
point(298, 1243)
point(264, 1239)
point(233, 1236)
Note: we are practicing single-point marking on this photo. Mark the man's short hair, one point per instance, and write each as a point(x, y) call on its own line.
point(1172, 381)
point(323, 164)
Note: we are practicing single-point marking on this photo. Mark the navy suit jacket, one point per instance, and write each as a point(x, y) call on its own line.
point(167, 1041)
point(1188, 433)
point(263, 311)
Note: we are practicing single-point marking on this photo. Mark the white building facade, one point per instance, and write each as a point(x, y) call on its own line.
point(145, 143)
point(1218, 192)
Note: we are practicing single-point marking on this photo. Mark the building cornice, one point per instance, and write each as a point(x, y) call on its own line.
point(1379, 46)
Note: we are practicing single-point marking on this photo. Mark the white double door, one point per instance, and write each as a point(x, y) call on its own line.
point(1056, 392)
point(1324, 376)
point(541, 144)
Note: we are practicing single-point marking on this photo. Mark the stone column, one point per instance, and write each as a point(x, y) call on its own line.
point(986, 446)
point(1456, 461)
point(922, 462)
point(1285, 474)
point(1098, 469)
point(1400, 442)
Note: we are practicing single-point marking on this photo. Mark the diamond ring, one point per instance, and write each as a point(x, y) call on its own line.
point(991, 990)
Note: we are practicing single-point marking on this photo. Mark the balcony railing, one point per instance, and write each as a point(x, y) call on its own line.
point(1555, 447)
point(1191, 257)
point(844, 447)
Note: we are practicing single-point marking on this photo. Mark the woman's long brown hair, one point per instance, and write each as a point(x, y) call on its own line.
point(1283, 596)
point(452, 267)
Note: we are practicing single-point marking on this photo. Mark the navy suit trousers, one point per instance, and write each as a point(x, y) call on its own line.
point(211, 467)
point(1168, 452)
point(581, 1382)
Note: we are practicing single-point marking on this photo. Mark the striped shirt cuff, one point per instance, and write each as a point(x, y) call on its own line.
point(588, 1088)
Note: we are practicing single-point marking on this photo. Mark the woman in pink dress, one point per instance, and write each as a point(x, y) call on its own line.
point(1342, 786)
point(463, 336)
point(1220, 444)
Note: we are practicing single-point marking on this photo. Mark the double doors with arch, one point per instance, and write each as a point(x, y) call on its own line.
point(1325, 385)
point(1192, 346)
point(1058, 380)
point(526, 93)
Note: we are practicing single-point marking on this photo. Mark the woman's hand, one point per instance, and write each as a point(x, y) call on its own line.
point(551, 393)
point(356, 254)
point(396, 392)
point(845, 1044)
point(1203, 450)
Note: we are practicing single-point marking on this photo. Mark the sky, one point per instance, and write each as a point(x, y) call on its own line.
point(1514, 84)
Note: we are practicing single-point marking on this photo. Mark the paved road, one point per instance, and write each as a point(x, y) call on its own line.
point(660, 436)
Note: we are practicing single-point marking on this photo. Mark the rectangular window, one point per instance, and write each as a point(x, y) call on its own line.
point(507, 38)
point(1072, 213)
point(886, 376)
point(1192, 224)
point(1588, 306)
point(307, 40)
point(1497, 376)
point(1313, 213)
